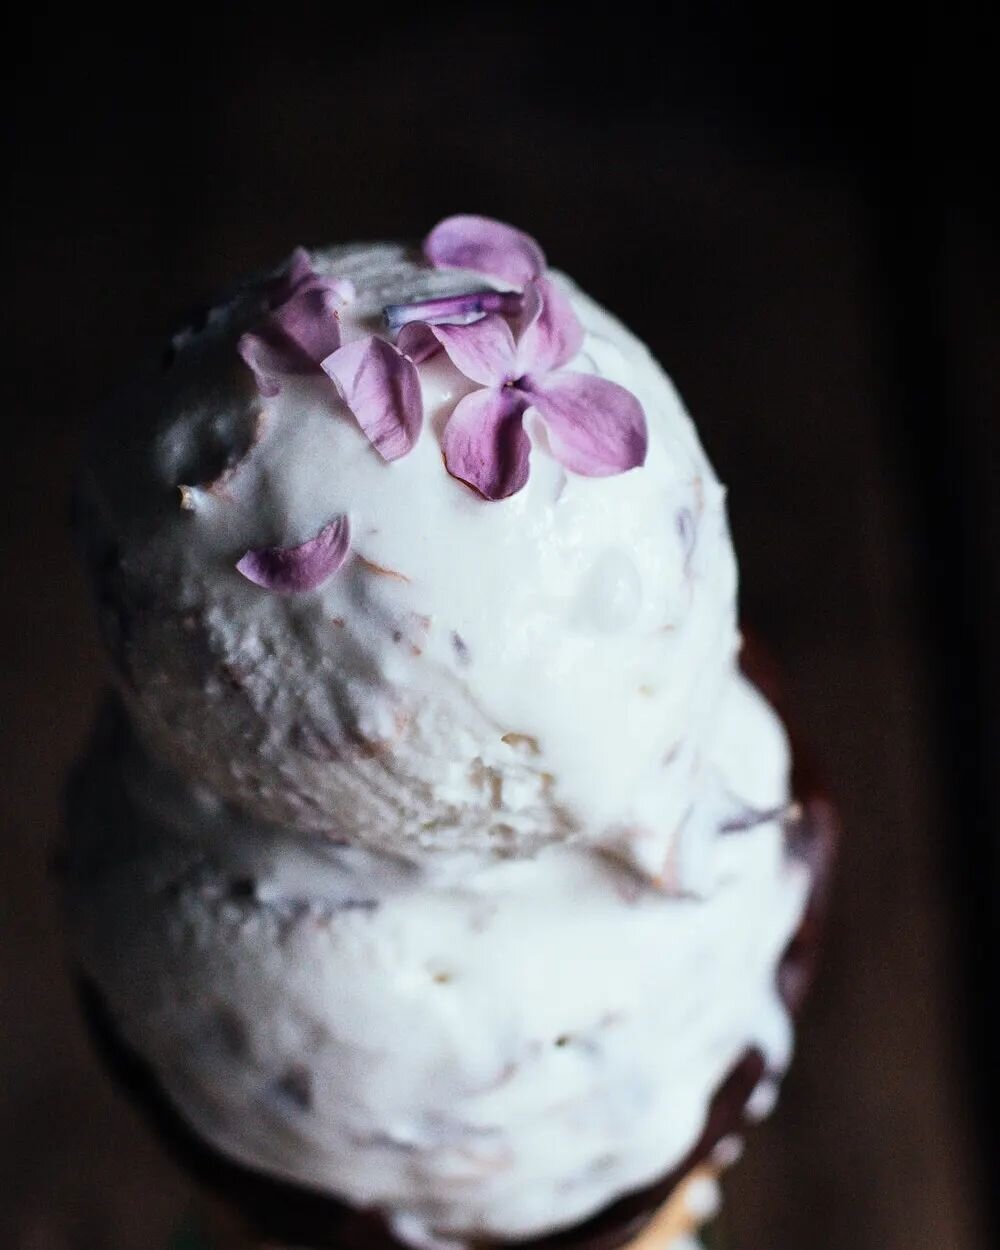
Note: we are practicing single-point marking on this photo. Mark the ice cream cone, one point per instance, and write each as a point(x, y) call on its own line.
point(686, 1210)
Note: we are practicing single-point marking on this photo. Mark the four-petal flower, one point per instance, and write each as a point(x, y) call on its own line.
point(595, 427)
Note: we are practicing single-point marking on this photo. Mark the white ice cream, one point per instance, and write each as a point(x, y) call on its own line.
point(499, 1050)
point(486, 676)
point(428, 899)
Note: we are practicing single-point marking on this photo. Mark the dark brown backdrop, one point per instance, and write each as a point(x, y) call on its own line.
point(797, 224)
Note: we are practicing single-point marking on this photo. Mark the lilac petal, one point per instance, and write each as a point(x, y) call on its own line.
point(298, 272)
point(485, 246)
point(297, 269)
point(484, 442)
point(299, 266)
point(382, 389)
point(595, 427)
point(307, 322)
point(484, 351)
point(266, 363)
point(453, 309)
point(417, 341)
point(552, 333)
point(295, 336)
point(289, 570)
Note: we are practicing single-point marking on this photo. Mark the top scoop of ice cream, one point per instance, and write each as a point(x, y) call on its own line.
point(486, 675)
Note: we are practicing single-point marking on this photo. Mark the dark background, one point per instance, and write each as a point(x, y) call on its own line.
point(796, 217)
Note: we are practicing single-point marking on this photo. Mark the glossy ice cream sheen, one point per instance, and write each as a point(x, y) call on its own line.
point(448, 888)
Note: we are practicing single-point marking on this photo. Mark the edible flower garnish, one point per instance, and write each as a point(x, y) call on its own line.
point(514, 343)
point(453, 309)
point(595, 427)
point(485, 246)
point(291, 570)
point(300, 333)
point(301, 326)
point(381, 387)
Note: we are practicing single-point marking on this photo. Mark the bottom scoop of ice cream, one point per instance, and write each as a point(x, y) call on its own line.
point(496, 1051)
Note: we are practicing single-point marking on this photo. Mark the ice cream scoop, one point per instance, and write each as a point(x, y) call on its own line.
point(469, 674)
point(501, 1052)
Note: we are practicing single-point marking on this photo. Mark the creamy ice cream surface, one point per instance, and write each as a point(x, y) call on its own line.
point(433, 855)
point(489, 676)
point(503, 1052)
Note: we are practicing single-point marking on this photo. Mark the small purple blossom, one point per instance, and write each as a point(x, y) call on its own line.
point(594, 427)
point(477, 243)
